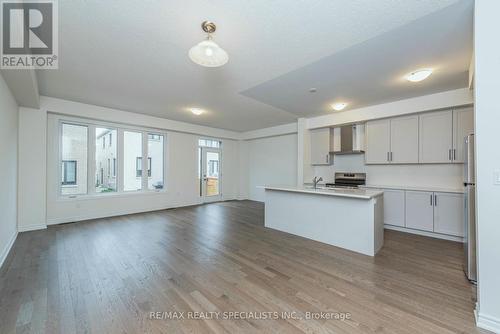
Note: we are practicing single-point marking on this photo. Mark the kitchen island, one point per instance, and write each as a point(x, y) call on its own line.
point(346, 218)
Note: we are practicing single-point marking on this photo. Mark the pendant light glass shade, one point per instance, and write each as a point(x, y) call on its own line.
point(208, 54)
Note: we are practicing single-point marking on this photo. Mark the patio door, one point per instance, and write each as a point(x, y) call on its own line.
point(210, 178)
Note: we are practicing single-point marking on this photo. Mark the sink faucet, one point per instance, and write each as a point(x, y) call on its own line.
point(316, 180)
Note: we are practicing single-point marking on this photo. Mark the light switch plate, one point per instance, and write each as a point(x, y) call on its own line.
point(496, 177)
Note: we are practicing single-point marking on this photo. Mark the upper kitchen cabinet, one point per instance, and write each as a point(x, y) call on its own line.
point(436, 137)
point(463, 124)
point(378, 141)
point(404, 140)
point(321, 146)
point(392, 141)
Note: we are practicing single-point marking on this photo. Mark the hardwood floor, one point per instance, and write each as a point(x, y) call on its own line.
point(108, 275)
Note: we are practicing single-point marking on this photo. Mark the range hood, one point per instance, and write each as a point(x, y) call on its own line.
point(349, 139)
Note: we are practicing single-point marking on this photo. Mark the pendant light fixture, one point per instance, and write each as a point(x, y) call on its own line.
point(207, 53)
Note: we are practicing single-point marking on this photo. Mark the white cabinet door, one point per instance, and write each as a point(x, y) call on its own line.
point(448, 214)
point(377, 145)
point(320, 147)
point(394, 207)
point(419, 210)
point(463, 124)
point(404, 140)
point(436, 137)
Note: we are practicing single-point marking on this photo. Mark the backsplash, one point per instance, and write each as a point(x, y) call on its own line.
point(429, 175)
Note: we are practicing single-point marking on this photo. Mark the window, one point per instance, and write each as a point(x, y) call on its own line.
point(209, 143)
point(117, 158)
point(155, 161)
point(103, 155)
point(74, 141)
point(138, 167)
point(68, 172)
point(132, 151)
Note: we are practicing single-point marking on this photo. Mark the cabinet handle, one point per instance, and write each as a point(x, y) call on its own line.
point(449, 154)
point(454, 154)
point(391, 155)
point(431, 199)
point(388, 157)
point(435, 200)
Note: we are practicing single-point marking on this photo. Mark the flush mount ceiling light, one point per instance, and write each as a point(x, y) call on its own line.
point(197, 111)
point(419, 75)
point(339, 106)
point(207, 53)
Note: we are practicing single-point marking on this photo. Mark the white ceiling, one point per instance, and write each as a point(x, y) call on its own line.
point(132, 55)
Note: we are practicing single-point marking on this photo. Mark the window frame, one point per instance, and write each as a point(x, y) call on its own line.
point(91, 158)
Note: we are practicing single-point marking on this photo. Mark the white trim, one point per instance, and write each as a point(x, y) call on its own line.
point(31, 228)
point(424, 233)
point(487, 322)
point(6, 250)
point(63, 220)
point(279, 130)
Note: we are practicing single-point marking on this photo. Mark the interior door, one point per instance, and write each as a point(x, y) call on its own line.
point(210, 175)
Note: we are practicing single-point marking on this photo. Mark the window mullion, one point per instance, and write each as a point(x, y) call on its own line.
point(91, 160)
point(144, 161)
point(120, 154)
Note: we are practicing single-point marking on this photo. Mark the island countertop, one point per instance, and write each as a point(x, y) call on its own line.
point(352, 193)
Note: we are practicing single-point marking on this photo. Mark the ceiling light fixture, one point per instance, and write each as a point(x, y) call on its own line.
point(419, 75)
point(207, 53)
point(197, 111)
point(339, 106)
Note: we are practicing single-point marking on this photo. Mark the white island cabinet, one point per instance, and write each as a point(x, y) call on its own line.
point(351, 218)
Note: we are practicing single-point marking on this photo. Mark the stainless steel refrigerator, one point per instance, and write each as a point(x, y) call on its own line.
point(470, 266)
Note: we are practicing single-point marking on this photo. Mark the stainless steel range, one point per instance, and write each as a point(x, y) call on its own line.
point(348, 180)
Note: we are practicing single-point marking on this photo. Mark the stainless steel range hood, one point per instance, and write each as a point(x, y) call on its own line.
point(351, 139)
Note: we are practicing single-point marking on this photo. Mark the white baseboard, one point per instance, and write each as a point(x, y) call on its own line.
point(63, 220)
point(424, 233)
point(488, 322)
point(7, 248)
point(31, 228)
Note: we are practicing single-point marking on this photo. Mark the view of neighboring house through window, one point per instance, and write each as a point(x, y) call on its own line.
point(105, 178)
point(132, 149)
point(155, 161)
point(74, 139)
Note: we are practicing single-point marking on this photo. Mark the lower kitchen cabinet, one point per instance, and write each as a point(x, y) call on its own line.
point(448, 214)
point(394, 207)
point(420, 210)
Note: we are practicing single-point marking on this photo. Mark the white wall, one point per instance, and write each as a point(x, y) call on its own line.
point(8, 169)
point(32, 169)
point(39, 200)
point(487, 120)
point(271, 160)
